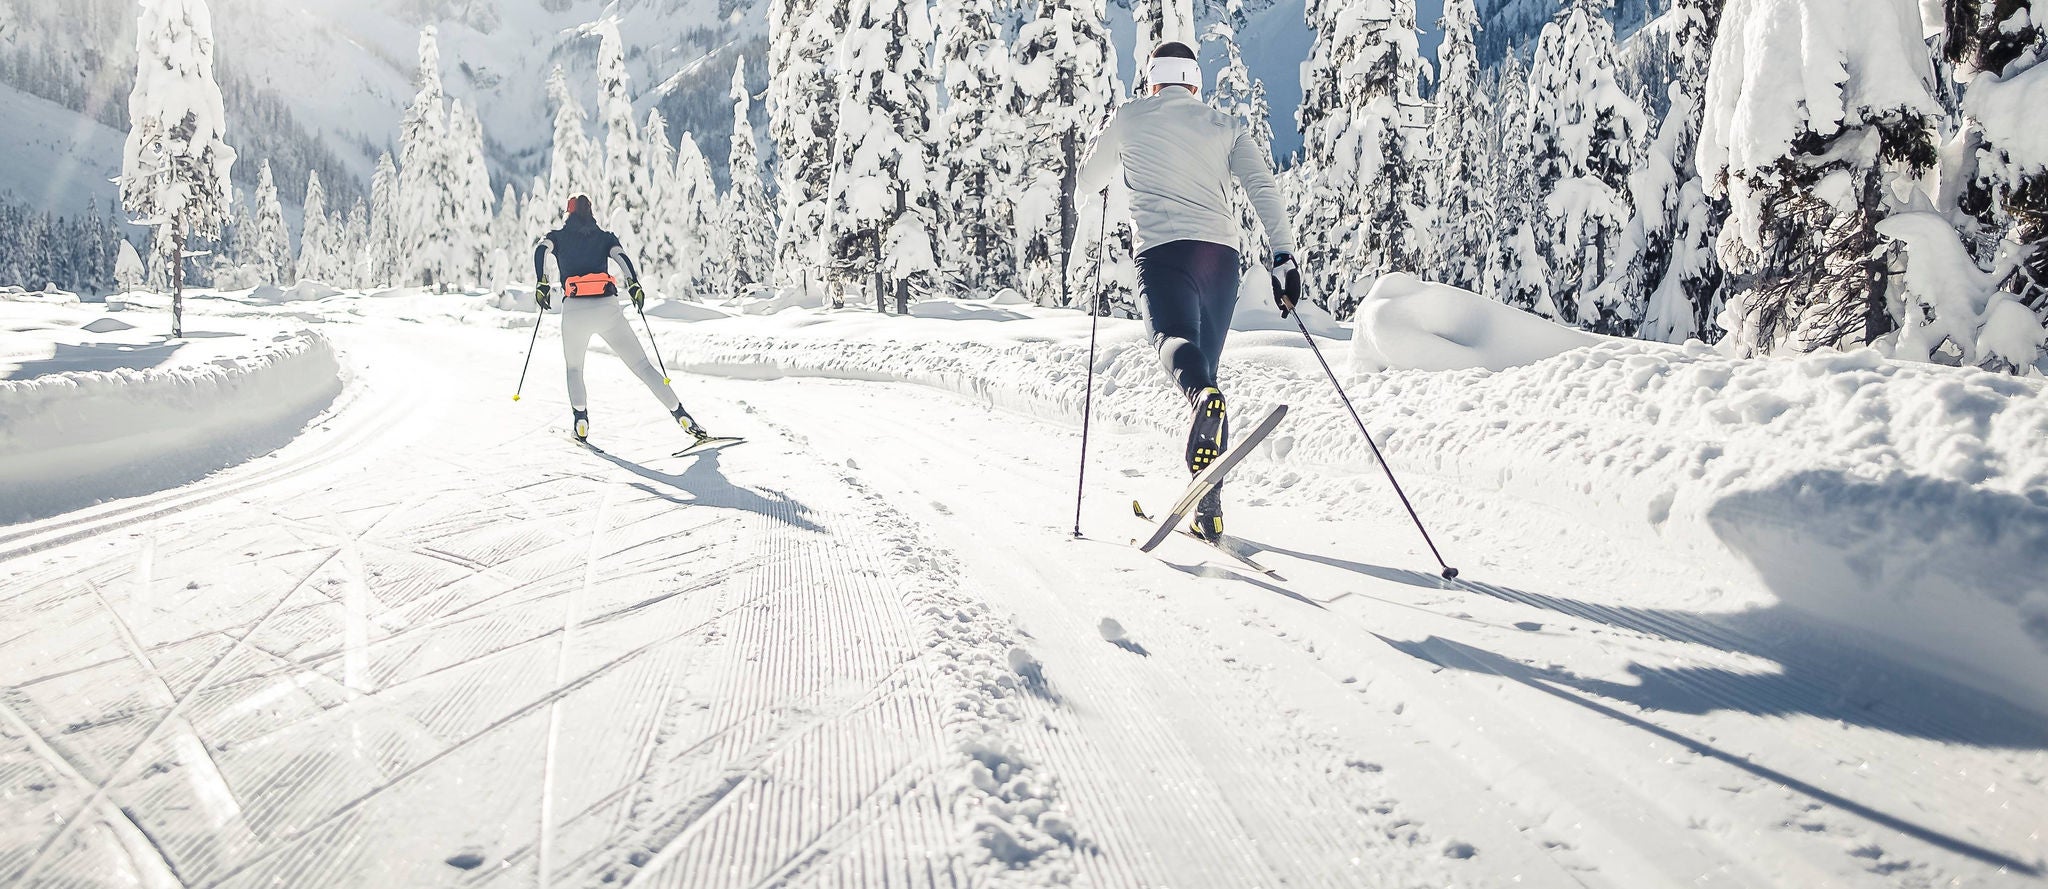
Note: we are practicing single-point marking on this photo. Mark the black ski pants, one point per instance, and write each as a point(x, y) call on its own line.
point(1190, 291)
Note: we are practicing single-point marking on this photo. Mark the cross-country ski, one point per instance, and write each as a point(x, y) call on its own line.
point(1594, 445)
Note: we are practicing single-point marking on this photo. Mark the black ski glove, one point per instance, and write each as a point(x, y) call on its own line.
point(1286, 283)
point(639, 296)
point(543, 296)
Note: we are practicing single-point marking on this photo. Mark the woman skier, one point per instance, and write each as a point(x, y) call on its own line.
point(583, 255)
point(1178, 157)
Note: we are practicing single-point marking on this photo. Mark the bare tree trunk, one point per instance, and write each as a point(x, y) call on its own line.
point(178, 279)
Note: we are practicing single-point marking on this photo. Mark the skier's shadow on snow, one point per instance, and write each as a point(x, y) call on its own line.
point(1822, 672)
point(1459, 656)
point(707, 486)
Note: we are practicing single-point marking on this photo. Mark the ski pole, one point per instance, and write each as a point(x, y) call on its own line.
point(662, 362)
point(1449, 572)
point(543, 316)
point(1088, 401)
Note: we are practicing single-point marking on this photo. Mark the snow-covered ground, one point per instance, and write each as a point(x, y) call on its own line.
point(1722, 623)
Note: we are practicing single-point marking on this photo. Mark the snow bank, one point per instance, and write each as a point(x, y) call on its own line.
point(1407, 322)
point(69, 440)
point(1905, 500)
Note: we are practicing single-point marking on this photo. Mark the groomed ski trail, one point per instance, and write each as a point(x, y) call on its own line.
point(466, 652)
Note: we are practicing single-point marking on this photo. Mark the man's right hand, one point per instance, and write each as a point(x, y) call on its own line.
point(1286, 283)
point(543, 295)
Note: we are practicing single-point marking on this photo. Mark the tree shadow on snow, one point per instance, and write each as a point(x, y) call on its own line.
point(96, 356)
point(1825, 671)
point(706, 485)
point(1459, 656)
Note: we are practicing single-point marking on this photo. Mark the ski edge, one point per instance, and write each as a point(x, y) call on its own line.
point(1213, 475)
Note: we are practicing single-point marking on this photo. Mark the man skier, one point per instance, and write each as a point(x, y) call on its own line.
point(583, 253)
point(1178, 156)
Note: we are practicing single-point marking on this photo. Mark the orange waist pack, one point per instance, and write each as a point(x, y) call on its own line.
point(589, 285)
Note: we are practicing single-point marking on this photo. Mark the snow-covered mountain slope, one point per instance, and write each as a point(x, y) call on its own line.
point(56, 158)
point(432, 643)
point(340, 71)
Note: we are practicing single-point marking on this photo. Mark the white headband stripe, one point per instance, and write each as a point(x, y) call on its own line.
point(1165, 70)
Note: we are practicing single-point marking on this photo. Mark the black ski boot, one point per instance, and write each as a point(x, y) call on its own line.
point(1209, 434)
point(1208, 521)
point(689, 425)
point(582, 428)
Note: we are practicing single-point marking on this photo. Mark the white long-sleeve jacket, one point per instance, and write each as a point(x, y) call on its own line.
point(1178, 156)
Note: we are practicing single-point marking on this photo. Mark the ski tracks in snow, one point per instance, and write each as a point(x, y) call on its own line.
point(461, 652)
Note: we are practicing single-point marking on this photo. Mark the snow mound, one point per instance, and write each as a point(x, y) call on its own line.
point(1009, 296)
point(1406, 322)
point(680, 310)
point(791, 297)
point(960, 310)
point(51, 294)
point(304, 291)
point(106, 325)
point(68, 440)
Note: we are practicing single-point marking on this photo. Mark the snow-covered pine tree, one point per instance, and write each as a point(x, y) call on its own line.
point(1358, 104)
point(662, 244)
point(470, 197)
point(803, 102)
point(973, 59)
point(316, 247)
point(884, 182)
point(1517, 274)
point(622, 205)
point(176, 162)
point(1587, 129)
point(750, 255)
point(1666, 260)
point(381, 252)
point(1998, 47)
point(707, 230)
point(1461, 138)
point(1809, 164)
point(355, 232)
point(510, 242)
point(1237, 93)
point(572, 163)
point(430, 241)
point(1158, 21)
point(128, 271)
point(1065, 81)
point(271, 246)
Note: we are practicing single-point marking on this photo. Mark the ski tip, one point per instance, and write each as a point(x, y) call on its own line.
point(1450, 573)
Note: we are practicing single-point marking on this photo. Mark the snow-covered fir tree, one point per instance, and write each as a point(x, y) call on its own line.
point(750, 255)
point(1462, 139)
point(1237, 93)
point(1517, 273)
point(884, 197)
point(316, 246)
point(176, 164)
point(1810, 166)
point(1997, 48)
point(622, 204)
point(1586, 131)
point(1065, 82)
point(663, 241)
point(470, 209)
point(509, 241)
point(803, 102)
point(432, 240)
point(706, 228)
point(572, 163)
point(976, 158)
point(1666, 258)
point(1158, 21)
point(380, 255)
point(270, 247)
point(355, 232)
point(128, 271)
point(1357, 113)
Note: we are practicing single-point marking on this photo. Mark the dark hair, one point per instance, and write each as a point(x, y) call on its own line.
point(579, 205)
point(1173, 49)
